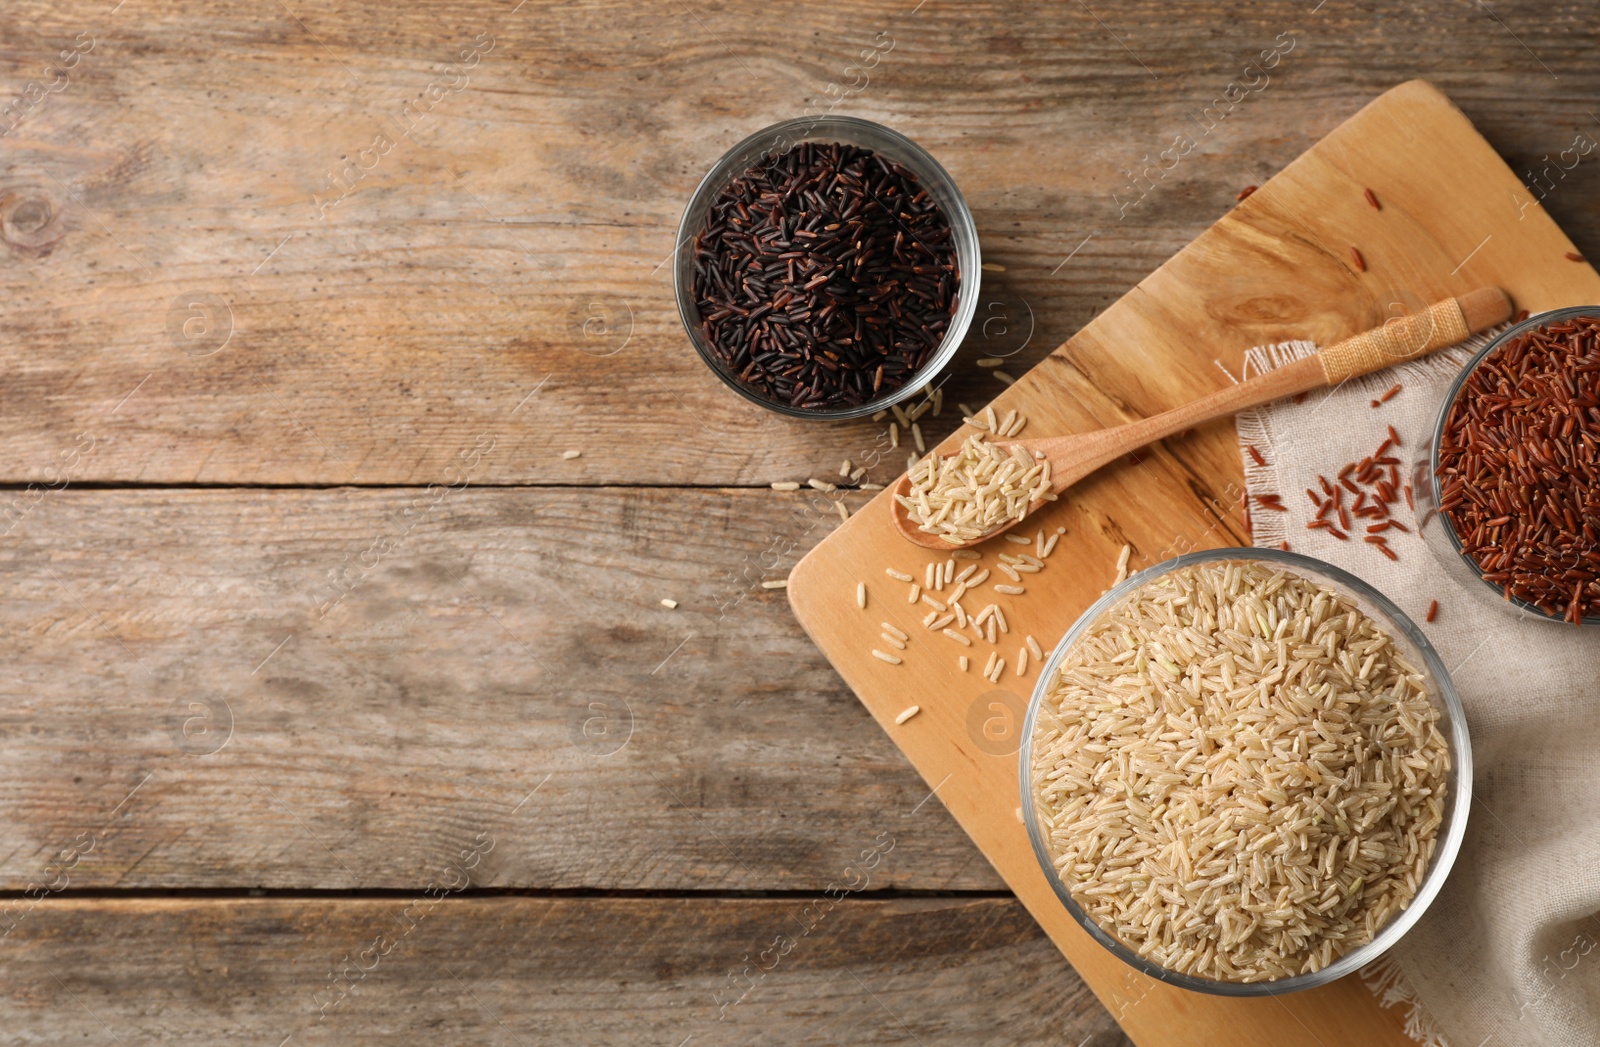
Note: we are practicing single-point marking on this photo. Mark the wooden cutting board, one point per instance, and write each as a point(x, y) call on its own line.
point(1278, 266)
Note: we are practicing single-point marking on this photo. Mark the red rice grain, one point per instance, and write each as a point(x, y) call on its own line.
point(1519, 468)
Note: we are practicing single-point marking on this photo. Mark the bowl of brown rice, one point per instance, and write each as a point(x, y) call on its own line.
point(1245, 772)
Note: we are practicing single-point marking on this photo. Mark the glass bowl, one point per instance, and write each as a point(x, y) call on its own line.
point(1452, 726)
point(848, 130)
point(1434, 526)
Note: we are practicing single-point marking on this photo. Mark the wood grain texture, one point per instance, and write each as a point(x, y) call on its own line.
point(513, 236)
point(1444, 229)
point(609, 971)
point(502, 643)
point(496, 275)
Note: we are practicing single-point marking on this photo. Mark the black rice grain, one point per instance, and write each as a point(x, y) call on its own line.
point(825, 276)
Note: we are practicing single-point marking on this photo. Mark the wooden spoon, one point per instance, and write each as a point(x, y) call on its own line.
point(1403, 338)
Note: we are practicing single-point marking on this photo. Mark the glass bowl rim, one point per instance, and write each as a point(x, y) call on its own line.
point(815, 128)
point(1445, 853)
point(1436, 435)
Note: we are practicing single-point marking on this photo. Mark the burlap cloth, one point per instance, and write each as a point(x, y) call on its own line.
point(1507, 955)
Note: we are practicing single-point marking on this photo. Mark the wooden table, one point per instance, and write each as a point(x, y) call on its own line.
point(337, 704)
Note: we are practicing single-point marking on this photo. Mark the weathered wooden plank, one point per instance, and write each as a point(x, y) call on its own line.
point(500, 662)
point(507, 970)
point(496, 266)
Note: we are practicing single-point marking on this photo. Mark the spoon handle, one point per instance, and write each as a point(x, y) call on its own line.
point(1404, 338)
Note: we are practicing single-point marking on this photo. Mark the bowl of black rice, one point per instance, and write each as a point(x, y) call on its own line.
point(827, 267)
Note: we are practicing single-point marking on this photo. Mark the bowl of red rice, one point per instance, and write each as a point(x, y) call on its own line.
point(1508, 485)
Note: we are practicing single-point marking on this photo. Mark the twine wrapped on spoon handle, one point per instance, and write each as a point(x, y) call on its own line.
point(1402, 338)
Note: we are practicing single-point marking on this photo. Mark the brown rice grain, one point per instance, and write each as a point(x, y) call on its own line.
point(1267, 834)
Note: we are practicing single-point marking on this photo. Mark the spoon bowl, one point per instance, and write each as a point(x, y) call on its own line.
point(1071, 459)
